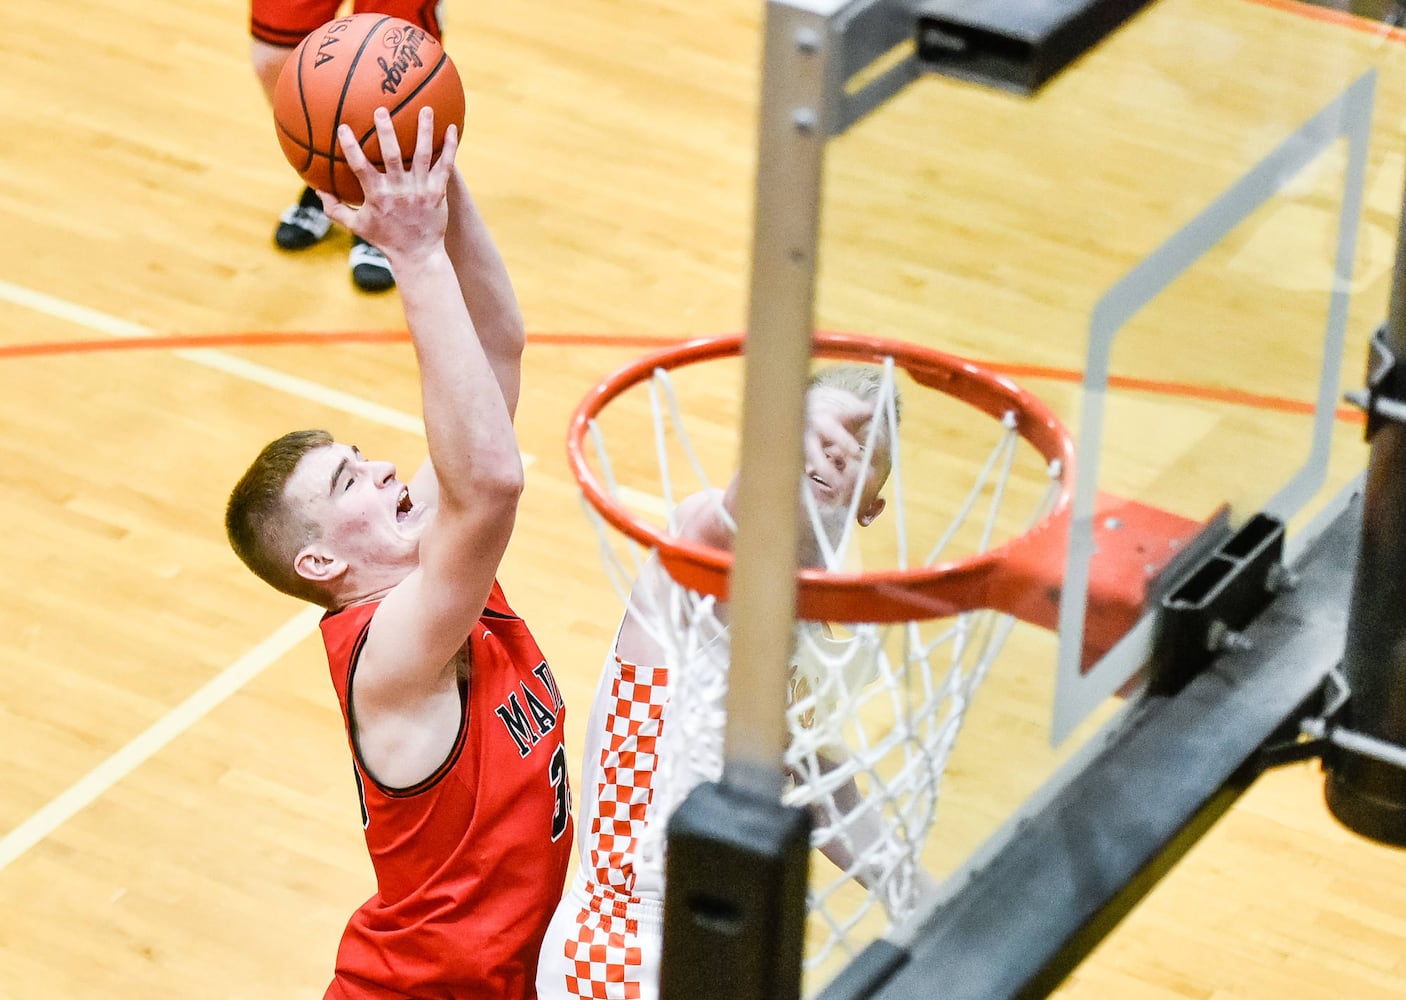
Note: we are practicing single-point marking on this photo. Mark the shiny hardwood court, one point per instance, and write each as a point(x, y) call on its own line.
point(178, 815)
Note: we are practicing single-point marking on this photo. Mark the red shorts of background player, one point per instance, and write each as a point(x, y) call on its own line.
point(288, 22)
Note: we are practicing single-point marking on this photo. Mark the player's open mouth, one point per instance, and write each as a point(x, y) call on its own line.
point(403, 505)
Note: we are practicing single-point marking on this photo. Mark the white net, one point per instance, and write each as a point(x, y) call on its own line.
point(873, 710)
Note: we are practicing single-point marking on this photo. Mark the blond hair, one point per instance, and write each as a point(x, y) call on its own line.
point(263, 529)
point(864, 382)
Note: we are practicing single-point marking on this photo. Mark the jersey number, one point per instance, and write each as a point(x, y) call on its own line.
point(561, 814)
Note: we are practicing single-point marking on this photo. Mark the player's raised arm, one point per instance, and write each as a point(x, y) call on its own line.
point(493, 307)
point(423, 622)
point(487, 289)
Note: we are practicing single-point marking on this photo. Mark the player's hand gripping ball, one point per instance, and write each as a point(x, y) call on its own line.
point(343, 72)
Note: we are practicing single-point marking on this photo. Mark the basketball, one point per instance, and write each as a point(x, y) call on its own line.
point(344, 71)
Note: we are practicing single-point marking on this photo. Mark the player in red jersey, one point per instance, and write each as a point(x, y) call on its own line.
point(453, 718)
point(275, 28)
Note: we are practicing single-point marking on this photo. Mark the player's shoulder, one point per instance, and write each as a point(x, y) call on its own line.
point(346, 625)
point(703, 517)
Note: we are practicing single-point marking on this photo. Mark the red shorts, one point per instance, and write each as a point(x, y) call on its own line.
point(288, 22)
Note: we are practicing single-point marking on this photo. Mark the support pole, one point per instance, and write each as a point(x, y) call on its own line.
point(734, 911)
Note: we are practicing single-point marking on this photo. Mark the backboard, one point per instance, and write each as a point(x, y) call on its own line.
point(1151, 243)
point(1184, 249)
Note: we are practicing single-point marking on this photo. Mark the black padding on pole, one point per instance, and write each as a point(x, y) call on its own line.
point(1366, 794)
point(735, 898)
point(1014, 44)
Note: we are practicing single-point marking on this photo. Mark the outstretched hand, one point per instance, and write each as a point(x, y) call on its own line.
point(406, 210)
point(837, 423)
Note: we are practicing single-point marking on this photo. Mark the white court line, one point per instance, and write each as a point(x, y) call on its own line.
point(228, 364)
point(302, 388)
point(88, 788)
point(249, 371)
point(175, 722)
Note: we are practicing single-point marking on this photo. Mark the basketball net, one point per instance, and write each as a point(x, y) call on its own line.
point(874, 709)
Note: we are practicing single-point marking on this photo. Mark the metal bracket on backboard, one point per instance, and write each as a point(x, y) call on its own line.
point(1321, 732)
point(1303, 735)
point(1338, 738)
point(1205, 613)
point(1385, 395)
point(1016, 45)
point(1326, 728)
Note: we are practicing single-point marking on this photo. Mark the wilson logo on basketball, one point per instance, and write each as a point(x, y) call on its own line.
point(407, 54)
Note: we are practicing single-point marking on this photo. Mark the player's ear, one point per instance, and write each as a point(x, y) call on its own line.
point(867, 515)
point(317, 564)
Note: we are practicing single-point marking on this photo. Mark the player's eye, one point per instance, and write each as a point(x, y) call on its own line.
point(350, 480)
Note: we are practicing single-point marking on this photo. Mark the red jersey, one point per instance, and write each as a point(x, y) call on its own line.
point(471, 861)
point(288, 22)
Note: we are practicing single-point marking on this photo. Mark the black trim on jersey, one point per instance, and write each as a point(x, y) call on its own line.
point(439, 772)
point(490, 613)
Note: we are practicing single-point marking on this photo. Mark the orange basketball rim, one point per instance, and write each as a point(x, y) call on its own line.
point(1020, 577)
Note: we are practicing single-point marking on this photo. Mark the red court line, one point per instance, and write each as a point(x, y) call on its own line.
point(1183, 390)
point(216, 340)
point(1338, 17)
point(280, 339)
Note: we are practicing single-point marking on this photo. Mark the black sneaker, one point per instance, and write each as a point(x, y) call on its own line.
point(371, 272)
point(304, 224)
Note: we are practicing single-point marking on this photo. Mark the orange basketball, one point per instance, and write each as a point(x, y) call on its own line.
point(343, 72)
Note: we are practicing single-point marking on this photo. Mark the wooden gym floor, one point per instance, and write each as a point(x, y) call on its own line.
point(177, 817)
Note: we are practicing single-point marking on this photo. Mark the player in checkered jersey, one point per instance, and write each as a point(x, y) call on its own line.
point(606, 937)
